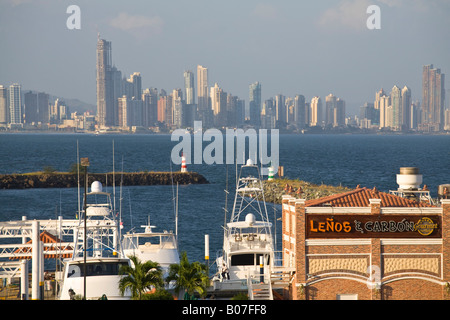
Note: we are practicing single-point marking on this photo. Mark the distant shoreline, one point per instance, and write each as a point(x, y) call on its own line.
point(70, 180)
point(282, 132)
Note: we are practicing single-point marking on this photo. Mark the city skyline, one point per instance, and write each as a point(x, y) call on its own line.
point(123, 105)
point(291, 48)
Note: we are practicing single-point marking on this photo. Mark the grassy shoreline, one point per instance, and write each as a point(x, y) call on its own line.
point(275, 189)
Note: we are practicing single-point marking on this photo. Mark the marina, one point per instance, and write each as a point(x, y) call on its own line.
point(200, 207)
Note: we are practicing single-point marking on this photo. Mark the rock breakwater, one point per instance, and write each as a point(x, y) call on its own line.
point(70, 180)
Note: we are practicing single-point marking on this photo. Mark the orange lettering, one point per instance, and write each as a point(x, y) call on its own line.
point(322, 226)
point(347, 227)
point(312, 226)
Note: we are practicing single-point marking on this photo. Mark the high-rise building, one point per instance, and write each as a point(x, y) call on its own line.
point(396, 103)
point(339, 113)
point(116, 76)
point(150, 107)
point(330, 106)
point(15, 104)
point(268, 117)
point(433, 99)
point(232, 102)
point(219, 105)
point(134, 88)
point(123, 111)
point(280, 110)
point(300, 112)
point(204, 113)
point(105, 86)
point(255, 104)
point(189, 107)
point(378, 96)
point(3, 106)
point(189, 87)
point(43, 107)
point(316, 111)
point(30, 107)
point(177, 108)
point(382, 103)
point(406, 109)
point(213, 94)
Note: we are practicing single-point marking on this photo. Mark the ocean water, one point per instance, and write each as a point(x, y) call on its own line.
point(368, 160)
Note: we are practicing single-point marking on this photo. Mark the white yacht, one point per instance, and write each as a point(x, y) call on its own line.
point(160, 247)
point(248, 249)
point(95, 264)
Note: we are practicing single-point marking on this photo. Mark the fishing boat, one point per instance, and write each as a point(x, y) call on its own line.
point(93, 269)
point(247, 255)
point(160, 247)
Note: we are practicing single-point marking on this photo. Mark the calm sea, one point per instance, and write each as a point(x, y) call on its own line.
point(368, 160)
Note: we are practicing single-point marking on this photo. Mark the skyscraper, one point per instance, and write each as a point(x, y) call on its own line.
point(330, 106)
point(280, 110)
point(203, 108)
point(433, 98)
point(406, 108)
point(150, 107)
point(105, 86)
point(189, 88)
point(300, 112)
point(30, 107)
point(134, 88)
point(15, 104)
point(316, 111)
point(384, 103)
point(43, 106)
point(189, 107)
point(3, 106)
point(396, 103)
point(255, 104)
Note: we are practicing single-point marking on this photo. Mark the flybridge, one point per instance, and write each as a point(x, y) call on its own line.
point(235, 139)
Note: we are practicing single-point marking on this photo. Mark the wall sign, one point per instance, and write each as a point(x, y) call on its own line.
point(373, 226)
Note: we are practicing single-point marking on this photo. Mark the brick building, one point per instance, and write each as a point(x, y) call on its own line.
point(366, 245)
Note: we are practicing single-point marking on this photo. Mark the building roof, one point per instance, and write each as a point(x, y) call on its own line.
point(46, 237)
point(360, 198)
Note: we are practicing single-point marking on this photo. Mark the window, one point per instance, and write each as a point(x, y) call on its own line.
point(243, 260)
point(248, 259)
point(95, 269)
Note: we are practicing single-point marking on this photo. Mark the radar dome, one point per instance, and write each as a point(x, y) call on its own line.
point(96, 186)
point(250, 219)
point(249, 162)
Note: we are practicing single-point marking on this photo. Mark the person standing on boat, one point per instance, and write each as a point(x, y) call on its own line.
point(225, 274)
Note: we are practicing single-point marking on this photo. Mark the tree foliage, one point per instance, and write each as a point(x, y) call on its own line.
point(140, 278)
point(192, 277)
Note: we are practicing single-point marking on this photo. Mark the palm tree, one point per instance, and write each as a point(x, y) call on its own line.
point(192, 277)
point(140, 278)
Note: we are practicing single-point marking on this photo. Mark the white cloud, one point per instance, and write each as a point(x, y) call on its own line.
point(349, 14)
point(127, 22)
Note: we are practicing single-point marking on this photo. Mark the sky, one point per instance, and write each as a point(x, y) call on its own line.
point(291, 47)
